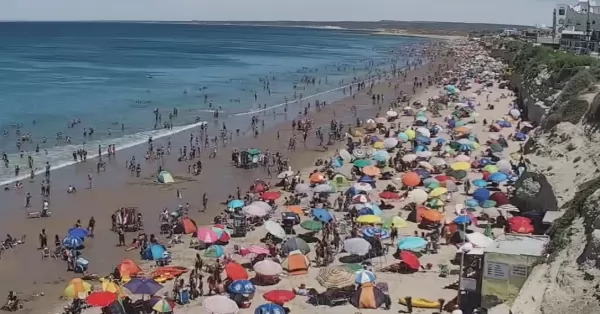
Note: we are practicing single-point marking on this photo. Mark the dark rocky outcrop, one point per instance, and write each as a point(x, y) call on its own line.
point(533, 192)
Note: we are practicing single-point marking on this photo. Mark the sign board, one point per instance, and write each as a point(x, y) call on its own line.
point(468, 284)
point(495, 270)
point(519, 271)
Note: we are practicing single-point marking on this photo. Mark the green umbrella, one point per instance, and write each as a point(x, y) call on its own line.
point(433, 185)
point(253, 151)
point(496, 147)
point(457, 174)
point(361, 163)
point(353, 267)
point(312, 225)
point(435, 203)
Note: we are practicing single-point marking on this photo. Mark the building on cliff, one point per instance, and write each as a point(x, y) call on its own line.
point(570, 26)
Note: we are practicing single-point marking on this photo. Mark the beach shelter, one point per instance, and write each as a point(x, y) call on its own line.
point(214, 251)
point(154, 252)
point(185, 226)
point(368, 296)
point(127, 268)
point(340, 181)
point(165, 177)
point(295, 244)
point(77, 289)
point(296, 263)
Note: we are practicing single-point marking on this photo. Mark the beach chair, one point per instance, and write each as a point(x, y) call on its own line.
point(46, 254)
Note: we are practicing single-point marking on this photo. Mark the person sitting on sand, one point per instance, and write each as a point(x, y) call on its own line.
point(71, 189)
point(302, 290)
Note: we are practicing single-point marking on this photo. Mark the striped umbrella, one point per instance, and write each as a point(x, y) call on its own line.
point(508, 207)
point(364, 276)
point(336, 277)
point(163, 305)
point(372, 232)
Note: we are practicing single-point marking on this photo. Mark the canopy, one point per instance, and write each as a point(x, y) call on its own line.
point(293, 244)
point(128, 268)
point(336, 277)
point(165, 177)
point(368, 297)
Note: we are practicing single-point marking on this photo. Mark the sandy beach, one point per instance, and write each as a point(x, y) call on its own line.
point(117, 187)
point(425, 283)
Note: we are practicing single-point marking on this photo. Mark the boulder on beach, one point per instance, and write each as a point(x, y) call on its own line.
point(533, 192)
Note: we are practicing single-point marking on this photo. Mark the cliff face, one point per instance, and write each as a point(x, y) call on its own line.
point(561, 93)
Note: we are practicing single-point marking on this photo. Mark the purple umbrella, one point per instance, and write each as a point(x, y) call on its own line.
point(143, 286)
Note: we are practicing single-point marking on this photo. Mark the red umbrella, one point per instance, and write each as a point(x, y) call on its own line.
point(410, 259)
point(236, 271)
point(520, 225)
point(389, 195)
point(101, 298)
point(443, 178)
point(271, 195)
point(486, 175)
point(279, 296)
point(500, 198)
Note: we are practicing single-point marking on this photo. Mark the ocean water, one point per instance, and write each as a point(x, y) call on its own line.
point(109, 74)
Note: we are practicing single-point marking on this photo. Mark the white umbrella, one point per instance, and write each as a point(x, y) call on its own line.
point(504, 166)
point(381, 120)
point(425, 165)
point(390, 142)
point(255, 210)
point(262, 204)
point(424, 132)
point(268, 268)
point(302, 188)
point(418, 196)
point(515, 113)
point(323, 188)
point(275, 229)
point(409, 158)
point(463, 158)
point(358, 246)
point(345, 155)
point(436, 161)
point(285, 174)
point(361, 186)
point(219, 304)
point(424, 154)
point(464, 141)
point(392, 113)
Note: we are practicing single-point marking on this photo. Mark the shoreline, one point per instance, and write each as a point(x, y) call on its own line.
point(121, 190)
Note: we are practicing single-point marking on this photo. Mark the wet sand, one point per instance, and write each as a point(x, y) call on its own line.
point(22, 269)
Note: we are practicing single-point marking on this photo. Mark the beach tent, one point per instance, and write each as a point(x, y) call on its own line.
point(368, 297)
point(340, 181)
point(165, 177)
point(154, 252)
point(296, 263)
point(185, 226)
point(127, 268)
point(295, 244)
point(416, 214)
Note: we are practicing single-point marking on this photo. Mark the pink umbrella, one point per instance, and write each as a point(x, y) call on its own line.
point(207, 235)
point(257, 249)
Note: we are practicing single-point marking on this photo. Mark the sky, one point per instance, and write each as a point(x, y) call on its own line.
point(522, 12)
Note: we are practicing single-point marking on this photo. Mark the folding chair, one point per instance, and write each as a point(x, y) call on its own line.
point(46, 253)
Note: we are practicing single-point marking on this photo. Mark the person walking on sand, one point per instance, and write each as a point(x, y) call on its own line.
point(204, 202)
point(43, 239)
point(91, 226)
point(90, 179)
point(121, 233)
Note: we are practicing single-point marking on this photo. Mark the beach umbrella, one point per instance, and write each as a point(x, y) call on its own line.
point(255, 210)
point(432, 184)
point(143, 286)
point(504, 166)
point(390, 142)
point(371, 171)
point(426, 165)
point(112, 287)
point(374, 232)
point(77, 289)
point(336, 277)
point(396, 221)
point(317, 177)
point(410, 133)
point(437, 192)
point(322, 214)
point(312, 225)
point(295, 244)
point(498, 177)
point(78, 232)
point(457, 174)
point(389, 195)
point(270, 195)
point(361, 163)
point(410, 259)
point(162, 304)
point(436, 161)
point(509, 208)
point(359, 153)
point(415, 244)
point(461, 165)
point(362, 186)
point(279, 296)
point(358, 246)
point(101, 298)
point(275, 229)
point(423, 154)
point(364, 276)
point(323, 188)
point(378, 145)
point(360, 198)
point(374, 208)
point(462, 158)
point(391, 113)
point(403, 137)
point(236, 271)
point(296, 209)
point(223, 233)
point(368, 219)
point(435, 203)
point(235, 204)
point(418, 196)
point(345, 155)
point(270, 308)
point(424, 132)
point(481, 194)
point(387, 169)
point(302, 188)
point(480, 183)
point(462, 219)
point(422, 140)
point(207, 235)
point(409, 158)
point(214, 251)
point(411, 179)
point(381, 156)
point(242, 286)
point(465, 141)
point(496, 147)
point(71, 242)
point(220, 304)
point(490, 168)
point(267, 268)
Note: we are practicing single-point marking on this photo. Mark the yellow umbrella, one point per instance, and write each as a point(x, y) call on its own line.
point(490, 168)
point(437, 192)
point(357, 132)
point(378, 145)
point(111, 286)
point(368, 219)
point(410, 133)
point(515, 156)
point(461, 165)
point(77, 289)
point(397, 221)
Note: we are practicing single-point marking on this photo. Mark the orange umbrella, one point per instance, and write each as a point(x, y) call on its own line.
point(296, 210)
point(411, 179)
point(236, 271)
point(371, 171)
point(463, 130)
point(432, 215)
point(317, 177)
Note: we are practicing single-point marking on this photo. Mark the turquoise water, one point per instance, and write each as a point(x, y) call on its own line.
point(109, 74)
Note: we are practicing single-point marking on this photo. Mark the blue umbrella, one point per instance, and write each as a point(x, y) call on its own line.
point(423, 140)
point(498, 177)
point(403, 137)
point(322, 214)
point(143, 286)
point(374, 208)
point(372, 232)
point(481, 194)
point(78, 232)
point(463, 219)
point(365, 211)
point(424, 174)
point(71, 242)
point(156, 251)
point(366, 179)
point(374, 138)
point(480, 183)
point(484, 162)
point(241, 287)
point(412, 244)
point(465, 148)
point(440, 140)
point(270, 308)
point(235, 204)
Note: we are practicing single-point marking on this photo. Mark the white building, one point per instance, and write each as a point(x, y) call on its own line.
point(575, 17)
